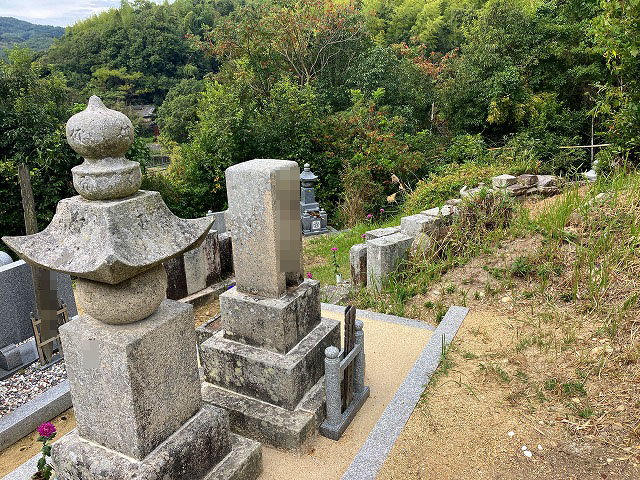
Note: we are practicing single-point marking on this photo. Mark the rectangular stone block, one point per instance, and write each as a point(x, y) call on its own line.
point(547, 181)
point(432, 212)
point(264, 219)
point(281, 380)
point(381, 232)
point(503, 181)
point(276, 324)
point(211, 248)
point(195, 269)
point(262, 421)
point(414, 225)
point(527, 180)
point(517, 189)
point(176, 278)
point(226, 253)
point(358, 261)
point(384, 255)
point(17, 301)
point(10, 357)
point(448, 211)
point(133, 385)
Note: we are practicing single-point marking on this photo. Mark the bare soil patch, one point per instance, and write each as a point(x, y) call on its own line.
point(461, 428)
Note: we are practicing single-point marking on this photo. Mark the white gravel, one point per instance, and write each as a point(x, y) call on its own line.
point(27, 384)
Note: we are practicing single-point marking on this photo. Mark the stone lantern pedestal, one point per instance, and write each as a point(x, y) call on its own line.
point(130, 359)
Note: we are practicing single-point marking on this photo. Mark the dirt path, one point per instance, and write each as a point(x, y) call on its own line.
point(461, 427)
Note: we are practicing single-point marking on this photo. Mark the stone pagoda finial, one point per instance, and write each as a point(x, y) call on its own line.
point(307, 177)
point(114, 237)
point(102, 136)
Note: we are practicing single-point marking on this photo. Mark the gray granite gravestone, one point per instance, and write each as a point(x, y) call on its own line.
point(270, 350)
point(314, 219)
point(17, 301)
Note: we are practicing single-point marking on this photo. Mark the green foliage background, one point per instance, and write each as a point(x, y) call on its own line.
point(393, 102)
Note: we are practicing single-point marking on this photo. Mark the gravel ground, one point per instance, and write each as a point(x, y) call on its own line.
point(26, 384)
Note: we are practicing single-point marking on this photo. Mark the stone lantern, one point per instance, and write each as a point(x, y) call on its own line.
point(314, 219)
point(130, 358)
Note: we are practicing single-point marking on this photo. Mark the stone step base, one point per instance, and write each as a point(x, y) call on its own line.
point(259, 373)
point(243, 462)
point(267, 423)
point(202, 449)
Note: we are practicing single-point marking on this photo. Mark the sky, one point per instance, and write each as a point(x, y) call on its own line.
point(60, 13)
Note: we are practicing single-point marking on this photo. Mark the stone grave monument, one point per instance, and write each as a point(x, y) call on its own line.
point(131, 357)
point(18, 348)
point(266, 364)
point(314, 219)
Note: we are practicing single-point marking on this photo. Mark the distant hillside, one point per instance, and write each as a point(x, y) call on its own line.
point(36, 37)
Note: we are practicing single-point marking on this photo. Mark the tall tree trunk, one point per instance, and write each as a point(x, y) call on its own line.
point(44, 281)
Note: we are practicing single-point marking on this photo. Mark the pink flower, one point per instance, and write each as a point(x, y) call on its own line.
point(382, 210)
point(369, 215)
point(309, 275)
point(46, 429)
point(334, 249)
point(364, 235)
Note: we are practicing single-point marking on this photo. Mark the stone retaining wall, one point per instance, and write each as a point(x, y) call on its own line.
point(385, 249)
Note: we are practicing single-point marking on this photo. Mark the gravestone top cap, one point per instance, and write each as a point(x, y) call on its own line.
point(102, 136)
point(307, 177)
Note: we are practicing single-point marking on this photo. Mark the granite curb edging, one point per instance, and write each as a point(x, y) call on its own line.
point(26, 418)
point(381, 317)
point(380, 441)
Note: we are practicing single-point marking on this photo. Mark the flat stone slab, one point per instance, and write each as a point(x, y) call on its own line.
point(503, 181)
point(243, 462)
point(262, 421)
point(381, 232)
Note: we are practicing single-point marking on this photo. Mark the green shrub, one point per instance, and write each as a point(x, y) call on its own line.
point(466, 148)
point(446, 184)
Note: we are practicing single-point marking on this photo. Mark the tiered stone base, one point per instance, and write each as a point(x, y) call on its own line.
point(274, 398)
point(202, 449)
point(268, 423)
point(282, 380)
